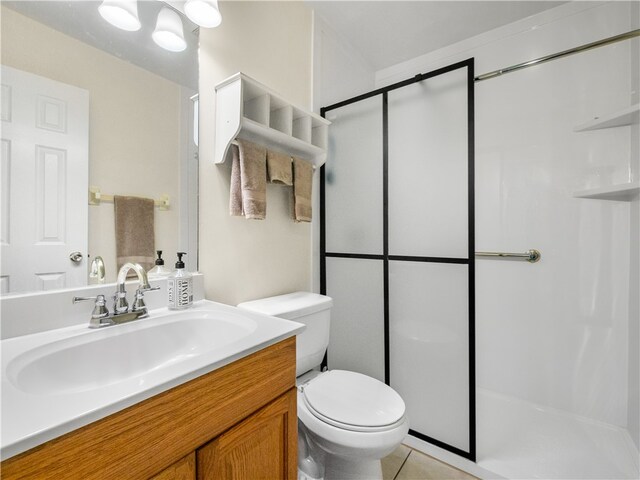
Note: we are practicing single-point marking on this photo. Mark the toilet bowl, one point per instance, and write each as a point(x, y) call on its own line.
point(347, 421)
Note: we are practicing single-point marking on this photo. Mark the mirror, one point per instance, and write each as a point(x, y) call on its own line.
point(89, 107)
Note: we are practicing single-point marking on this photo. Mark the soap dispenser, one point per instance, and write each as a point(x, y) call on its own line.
point(180, 286)
point(159, 270)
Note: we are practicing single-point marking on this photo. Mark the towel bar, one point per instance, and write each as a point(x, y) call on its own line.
point(531, 256)
point(96, 197)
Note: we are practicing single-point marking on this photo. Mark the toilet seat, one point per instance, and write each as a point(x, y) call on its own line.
point(353, 401)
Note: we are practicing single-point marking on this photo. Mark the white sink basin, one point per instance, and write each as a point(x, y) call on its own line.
point(93, 360)
point(58, 380)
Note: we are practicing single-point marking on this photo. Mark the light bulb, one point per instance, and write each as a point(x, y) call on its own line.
point(121, 13)
point(168, 33)
point(203, 12)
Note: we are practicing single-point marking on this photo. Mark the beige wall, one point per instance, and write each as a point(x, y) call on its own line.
point(134, 124)
point(247, 259)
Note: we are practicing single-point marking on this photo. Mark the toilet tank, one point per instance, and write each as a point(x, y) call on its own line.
point(311, 309)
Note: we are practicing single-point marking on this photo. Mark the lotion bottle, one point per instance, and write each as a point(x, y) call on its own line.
point(180, 286)
point(159, 270)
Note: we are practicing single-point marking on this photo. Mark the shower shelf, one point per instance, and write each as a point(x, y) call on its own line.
point(626, 116)
point(248, 110)
point(624, 192)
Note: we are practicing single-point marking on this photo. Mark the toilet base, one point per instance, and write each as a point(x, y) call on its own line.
point(304, 476)
point(350, 468)
point(314, 463)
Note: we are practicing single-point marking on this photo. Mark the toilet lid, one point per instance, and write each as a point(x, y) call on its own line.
point(351, 399)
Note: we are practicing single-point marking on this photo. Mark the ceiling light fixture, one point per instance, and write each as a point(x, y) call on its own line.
point(168, 33)
point(121, 13)
point(203, 12)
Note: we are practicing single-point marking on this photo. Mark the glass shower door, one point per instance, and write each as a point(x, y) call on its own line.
point(397, 247)
point(431, 256)
point(353, 235)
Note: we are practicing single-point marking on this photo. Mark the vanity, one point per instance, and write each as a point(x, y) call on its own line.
point(208, 392)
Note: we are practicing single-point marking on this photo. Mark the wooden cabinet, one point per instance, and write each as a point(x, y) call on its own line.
point(257, 448)
point(184, 469)
point(240, 420)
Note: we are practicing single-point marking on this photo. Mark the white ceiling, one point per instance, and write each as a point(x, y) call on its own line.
point(389, 32)
point(384, 32)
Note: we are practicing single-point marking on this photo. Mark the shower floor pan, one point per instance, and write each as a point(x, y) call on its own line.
point(518, 440)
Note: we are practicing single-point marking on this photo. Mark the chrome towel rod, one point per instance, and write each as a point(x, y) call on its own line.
point(564, 53)
point(531, 256)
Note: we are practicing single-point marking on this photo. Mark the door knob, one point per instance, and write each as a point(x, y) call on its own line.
point(75, 257)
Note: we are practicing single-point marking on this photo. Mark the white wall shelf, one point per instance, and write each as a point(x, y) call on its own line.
point(248, 110)
point(624, 192)
point(626, 116)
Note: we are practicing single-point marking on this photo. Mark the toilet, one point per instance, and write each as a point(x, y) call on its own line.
point(346, 421)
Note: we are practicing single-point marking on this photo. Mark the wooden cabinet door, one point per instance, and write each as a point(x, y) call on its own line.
point(263, 446)
point(184, 469)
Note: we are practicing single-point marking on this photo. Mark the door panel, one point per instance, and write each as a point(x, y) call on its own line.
point(262, 446)
point(428, 345)
point(357, 317)
point(353, 179)
point(184, 469)
point(45, 132)
point(428, 167)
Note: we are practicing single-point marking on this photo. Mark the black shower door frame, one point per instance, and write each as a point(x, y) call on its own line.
point(385, 257)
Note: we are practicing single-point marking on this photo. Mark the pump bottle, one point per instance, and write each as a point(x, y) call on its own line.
point(180, 286)
point(159, 270)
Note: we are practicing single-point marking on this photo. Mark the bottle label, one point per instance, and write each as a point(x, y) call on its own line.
point(180, 294)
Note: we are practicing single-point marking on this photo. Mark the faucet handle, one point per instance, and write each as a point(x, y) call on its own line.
point(100, 310)
point(145, 290)
point(120, 304)
point(138, 302)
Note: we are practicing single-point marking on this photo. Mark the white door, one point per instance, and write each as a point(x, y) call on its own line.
point(45, 166)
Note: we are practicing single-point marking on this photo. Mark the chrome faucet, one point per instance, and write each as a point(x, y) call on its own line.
point(120, 305)
point(97, 273)
point(121, 313)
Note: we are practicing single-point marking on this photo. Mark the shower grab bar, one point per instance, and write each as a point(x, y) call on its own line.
point(531, 256)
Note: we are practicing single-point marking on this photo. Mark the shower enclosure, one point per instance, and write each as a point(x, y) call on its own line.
point(525, 368)
point(398, 223)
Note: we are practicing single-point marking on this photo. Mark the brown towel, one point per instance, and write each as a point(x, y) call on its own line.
point(135, 238)
point(279, 168)
point(235, 197)
point(253, 179)
point(302, 182)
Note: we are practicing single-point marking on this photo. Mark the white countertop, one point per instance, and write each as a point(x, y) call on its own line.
point(34, 415)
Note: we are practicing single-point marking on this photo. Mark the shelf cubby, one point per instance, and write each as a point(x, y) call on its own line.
point(257, 109)
point(302, 127)
point(320, 135)
point(282, 119)
point(248, 110)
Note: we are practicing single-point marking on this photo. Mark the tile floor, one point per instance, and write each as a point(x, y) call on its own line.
point(408, 464)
